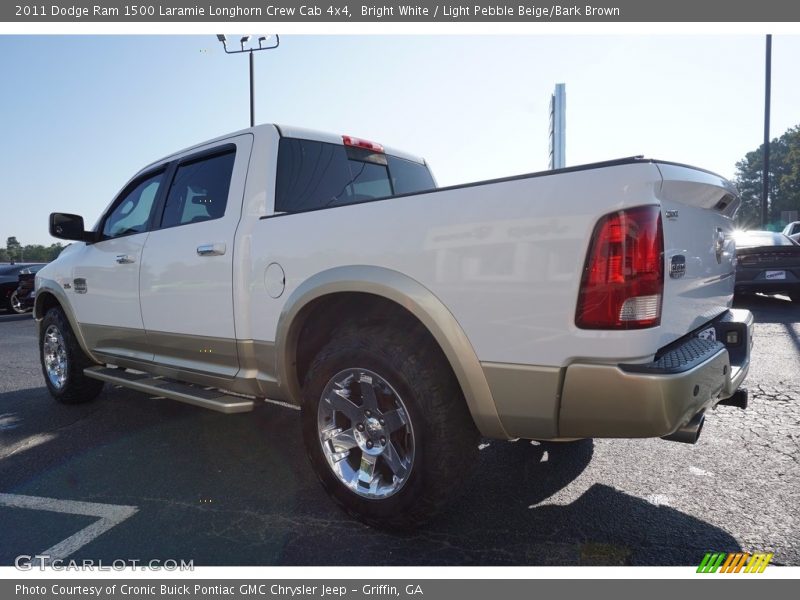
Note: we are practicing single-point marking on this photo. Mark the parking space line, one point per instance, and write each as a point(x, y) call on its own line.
point(109, 515)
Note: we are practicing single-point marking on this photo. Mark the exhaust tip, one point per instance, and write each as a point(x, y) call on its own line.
point(739, 399)
point(688, 433)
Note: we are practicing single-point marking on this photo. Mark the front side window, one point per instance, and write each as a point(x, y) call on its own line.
point(132, 213)
point(199, 191)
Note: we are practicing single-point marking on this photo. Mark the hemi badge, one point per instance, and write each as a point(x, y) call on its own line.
point(677, 266)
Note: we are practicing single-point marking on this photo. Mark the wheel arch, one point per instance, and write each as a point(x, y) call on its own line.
point(50, 295)
point(400, 291)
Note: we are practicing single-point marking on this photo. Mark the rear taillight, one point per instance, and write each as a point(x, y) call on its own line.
point(623, 279)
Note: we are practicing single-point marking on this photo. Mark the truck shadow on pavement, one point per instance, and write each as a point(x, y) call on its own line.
point(238, 490)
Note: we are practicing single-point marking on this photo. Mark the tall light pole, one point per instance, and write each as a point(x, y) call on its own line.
point(558, 127)
point(262, 40)
point(765, 174)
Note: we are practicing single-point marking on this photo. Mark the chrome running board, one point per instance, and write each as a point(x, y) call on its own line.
point(212, 399)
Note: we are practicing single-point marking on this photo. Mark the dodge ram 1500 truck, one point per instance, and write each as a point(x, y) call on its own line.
point(406, 321)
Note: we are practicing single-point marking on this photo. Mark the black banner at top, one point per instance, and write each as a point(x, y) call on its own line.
point(509, 11)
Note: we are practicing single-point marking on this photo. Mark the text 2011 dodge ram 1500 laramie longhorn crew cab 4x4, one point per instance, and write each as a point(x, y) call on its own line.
point(406, 321)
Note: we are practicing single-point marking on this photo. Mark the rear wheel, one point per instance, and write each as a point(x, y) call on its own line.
point(63, 361)
point(386, 426)
point(15, 304)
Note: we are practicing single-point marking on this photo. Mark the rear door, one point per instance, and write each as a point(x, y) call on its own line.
point(106, 278)
point(186, 283)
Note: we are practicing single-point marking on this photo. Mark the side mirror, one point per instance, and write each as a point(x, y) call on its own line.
point(69, 227)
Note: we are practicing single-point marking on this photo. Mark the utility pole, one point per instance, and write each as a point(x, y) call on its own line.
point(244, 40)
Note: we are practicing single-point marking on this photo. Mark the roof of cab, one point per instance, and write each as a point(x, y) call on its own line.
point(332, 138)
point(283, 131)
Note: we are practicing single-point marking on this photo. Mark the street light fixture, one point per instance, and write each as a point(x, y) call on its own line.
point(243, 41)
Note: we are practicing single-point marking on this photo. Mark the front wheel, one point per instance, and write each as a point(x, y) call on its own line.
point(63, 361)
point(386, 426)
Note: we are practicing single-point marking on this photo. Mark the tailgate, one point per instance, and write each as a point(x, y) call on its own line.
point(699, 251)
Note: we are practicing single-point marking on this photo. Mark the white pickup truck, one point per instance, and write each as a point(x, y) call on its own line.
point(406, 321)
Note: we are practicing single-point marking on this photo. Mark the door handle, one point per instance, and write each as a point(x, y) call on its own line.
point(125, 259)
point(217, 249)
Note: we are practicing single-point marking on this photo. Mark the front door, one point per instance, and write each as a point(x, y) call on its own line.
point(106, 279)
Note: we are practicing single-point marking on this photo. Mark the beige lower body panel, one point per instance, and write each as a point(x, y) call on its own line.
point(526, 398)
point(243, 366)
point(605, 401)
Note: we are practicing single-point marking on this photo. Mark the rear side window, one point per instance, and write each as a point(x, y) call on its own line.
point(199, 190)
point(314, 175)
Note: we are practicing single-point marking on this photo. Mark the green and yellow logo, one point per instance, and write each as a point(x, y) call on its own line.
point(734, 562)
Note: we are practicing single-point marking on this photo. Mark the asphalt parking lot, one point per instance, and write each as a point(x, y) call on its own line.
point(171, 481)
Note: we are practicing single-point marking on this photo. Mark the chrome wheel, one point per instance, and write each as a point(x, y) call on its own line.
point(54, 353)
point(16, 305)
point(365, 433)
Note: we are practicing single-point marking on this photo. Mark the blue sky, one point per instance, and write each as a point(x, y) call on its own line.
point(80, 114)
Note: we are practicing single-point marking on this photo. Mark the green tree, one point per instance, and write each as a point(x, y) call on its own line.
point(784, 181)
point(53, 250)
point(29, 253)
point(13, 248)
point(35, 253)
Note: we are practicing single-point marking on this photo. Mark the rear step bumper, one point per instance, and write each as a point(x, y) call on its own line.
point(184, 392)
point(659, 398)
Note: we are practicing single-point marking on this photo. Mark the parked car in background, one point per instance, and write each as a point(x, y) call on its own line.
point(792, 228)
point(795, 237)
point(768, 262)
point(25, 296)
point(9, 281)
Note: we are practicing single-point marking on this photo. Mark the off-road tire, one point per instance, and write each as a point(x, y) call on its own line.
point(77, 387)
point(446, 439)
